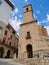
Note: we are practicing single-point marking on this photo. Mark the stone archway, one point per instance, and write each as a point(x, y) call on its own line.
point(29, 51)
point(1, 52)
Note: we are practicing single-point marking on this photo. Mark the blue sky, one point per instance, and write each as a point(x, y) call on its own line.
point(40, 11)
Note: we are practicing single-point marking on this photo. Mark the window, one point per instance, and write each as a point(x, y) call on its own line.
point(11, 37)
point(26, 9)
point(4, 40)
point(37, 55)
point(10, 44)
point(6, 32)
point(28, 35)
point(13, 32)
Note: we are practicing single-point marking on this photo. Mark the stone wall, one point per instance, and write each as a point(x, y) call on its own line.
point(37, 61)
point(34, 61)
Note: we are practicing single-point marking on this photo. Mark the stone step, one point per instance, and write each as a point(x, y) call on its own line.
point(30, 61)
point(8, 62)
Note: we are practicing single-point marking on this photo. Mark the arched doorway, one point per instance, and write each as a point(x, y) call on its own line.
point(8, 54)
point(16, 53)
point(29, 51)
point(1, 52)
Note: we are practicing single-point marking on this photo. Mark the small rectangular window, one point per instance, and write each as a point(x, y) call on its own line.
point(11, 37)
point(4, 40)
point(28, 35)
point(10, 43)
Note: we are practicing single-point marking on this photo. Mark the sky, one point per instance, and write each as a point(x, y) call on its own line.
point(40, 11)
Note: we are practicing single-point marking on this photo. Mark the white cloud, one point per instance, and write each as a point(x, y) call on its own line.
point(39, 22)
point(47, 28)
point(38, 11)
point(20, 15)
point(26, 0)
point(15, 23)
point(45, 21)
point(15, 17)
point(16, 10)
point(12, 13)
point(35, 16)
point(27, 3)
point(47, 17)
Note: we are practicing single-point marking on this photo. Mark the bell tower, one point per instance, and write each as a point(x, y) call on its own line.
point(28, 14)
point(25, 46)
point(30, 35)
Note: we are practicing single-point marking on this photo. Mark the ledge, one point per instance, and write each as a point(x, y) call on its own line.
point(28, 23)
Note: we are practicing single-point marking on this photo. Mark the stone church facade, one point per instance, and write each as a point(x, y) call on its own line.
point(33, 38)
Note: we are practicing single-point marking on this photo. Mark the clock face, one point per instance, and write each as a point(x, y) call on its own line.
point(0, 2)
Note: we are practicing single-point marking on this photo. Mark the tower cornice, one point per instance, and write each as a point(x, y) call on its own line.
point(28, 22)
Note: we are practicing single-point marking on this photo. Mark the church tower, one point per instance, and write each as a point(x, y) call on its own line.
point(29, 34)
point(28, 14)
